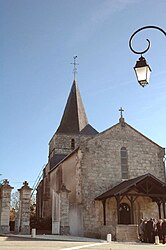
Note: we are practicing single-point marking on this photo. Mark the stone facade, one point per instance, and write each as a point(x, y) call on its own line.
point(101, 169)
point(95, 167)
point(64, 210)
point(91, 168)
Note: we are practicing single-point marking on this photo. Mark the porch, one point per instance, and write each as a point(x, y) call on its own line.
point(127, 195)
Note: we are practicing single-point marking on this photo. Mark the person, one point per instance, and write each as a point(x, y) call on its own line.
point(154, 229)
point(150, 230)
point(164, 230)
point(141, 230)
point(159, 229)
point(145, 229)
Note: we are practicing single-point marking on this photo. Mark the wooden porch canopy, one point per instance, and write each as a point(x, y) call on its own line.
point(144, 185)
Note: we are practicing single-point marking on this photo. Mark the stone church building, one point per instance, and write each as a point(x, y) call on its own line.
point(99, 183)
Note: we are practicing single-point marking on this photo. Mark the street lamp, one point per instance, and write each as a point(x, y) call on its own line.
point(142, 69)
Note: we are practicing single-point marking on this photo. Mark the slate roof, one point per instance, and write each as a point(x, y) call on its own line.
point(157, 187)
point(56, 159)
point(63, 159)
point(74, 118)
point(89, 130)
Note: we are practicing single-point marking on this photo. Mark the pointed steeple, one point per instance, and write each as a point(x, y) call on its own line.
point(74, 118)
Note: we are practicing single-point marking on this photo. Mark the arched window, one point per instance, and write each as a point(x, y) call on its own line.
point(124, 214)
point(124, 163)
point(72, 144)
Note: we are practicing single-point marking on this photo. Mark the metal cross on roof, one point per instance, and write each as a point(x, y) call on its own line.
point(121, 110)
point(75, 69)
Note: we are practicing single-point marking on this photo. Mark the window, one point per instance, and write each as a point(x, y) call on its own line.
point(72, 144)
point(124, 163)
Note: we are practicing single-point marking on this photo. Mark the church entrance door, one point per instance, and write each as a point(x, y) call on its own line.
point(124, 214)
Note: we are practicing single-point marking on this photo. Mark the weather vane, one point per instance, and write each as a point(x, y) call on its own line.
point(75, 68)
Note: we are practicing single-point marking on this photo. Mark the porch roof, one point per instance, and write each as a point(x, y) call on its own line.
point(144, 185)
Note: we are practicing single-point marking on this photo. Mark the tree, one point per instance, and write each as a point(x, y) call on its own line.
point(15, 200)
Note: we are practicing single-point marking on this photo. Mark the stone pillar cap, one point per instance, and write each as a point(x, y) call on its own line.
point(25, 186)
point(5, 184)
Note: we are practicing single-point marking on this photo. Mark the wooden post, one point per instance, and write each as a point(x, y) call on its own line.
point(164, 208)
point(104, 212)
point(118, 204)
point(159, 208)
point(132, 210)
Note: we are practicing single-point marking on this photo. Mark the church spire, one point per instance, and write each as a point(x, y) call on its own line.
point(74, 118)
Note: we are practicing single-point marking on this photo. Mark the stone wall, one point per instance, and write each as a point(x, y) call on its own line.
point(127, 233)
point(67, 174)
point(61, 143)
point(101, 164)
point(24, 208)
point(64, 210)
point(96, 167)
point(5, 194)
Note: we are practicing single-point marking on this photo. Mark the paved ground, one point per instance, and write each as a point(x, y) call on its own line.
point(71, 243)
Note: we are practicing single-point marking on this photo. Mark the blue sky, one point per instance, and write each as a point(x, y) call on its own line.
point(38, 41)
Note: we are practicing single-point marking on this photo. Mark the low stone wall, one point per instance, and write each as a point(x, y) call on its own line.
point(104, 230)
point(101, 232)
point(127, 233)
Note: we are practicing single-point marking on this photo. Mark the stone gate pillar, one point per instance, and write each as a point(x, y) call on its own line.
point(64, 210)
point(5, 195)
point(24, 208)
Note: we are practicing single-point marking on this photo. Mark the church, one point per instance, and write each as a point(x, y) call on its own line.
point(96, 184)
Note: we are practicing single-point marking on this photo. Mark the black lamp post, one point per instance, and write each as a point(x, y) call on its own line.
point(142, 69)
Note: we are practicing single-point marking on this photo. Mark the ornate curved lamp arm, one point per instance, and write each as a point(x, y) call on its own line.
point(145, 27)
